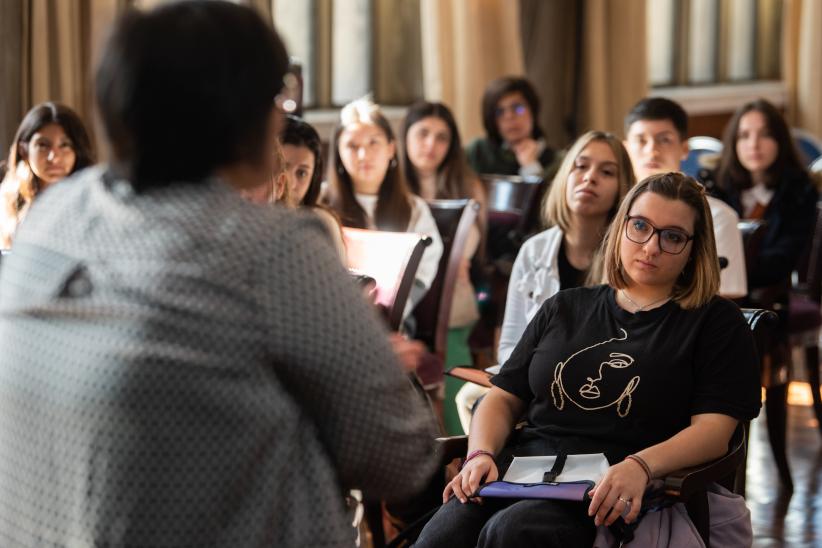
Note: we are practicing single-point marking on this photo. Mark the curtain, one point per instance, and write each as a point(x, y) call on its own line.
point(11, 40)
point(614, 62)
point(587, 59)
point(802, 55)
point(549, 42)
point(49, 55)
point(465, 44)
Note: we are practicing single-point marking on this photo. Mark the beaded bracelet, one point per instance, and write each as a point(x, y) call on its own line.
point(639, 460)
point(474, 454)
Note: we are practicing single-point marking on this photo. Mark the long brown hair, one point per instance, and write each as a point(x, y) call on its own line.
point(20, 185)
point(394, 201)
point(733, 177)
point(454, 172)
point(699, 280)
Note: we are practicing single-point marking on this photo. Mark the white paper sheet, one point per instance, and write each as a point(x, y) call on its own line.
point(577, 467)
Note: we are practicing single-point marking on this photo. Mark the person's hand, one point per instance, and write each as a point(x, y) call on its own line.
point(480, 469)
point(464, 270)
point(408, 352)
point(526, 151)
point(619, 493)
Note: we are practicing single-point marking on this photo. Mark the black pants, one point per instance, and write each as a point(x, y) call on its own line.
point(506, 523)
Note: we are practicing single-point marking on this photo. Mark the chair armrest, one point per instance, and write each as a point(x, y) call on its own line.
point(682, 484)
point(476, 376)
point(450, 448)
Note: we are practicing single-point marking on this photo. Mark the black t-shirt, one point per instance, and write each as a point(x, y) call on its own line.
point(568, 275)
point(598, 378)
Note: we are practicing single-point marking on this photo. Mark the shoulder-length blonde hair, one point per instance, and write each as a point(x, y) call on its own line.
point(699, 280)
point(555, 210)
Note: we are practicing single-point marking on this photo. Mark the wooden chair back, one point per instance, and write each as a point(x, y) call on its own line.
point(753, 231)
point(391, 259)
point(454, 220)
point(809, 268)
point(512, 200)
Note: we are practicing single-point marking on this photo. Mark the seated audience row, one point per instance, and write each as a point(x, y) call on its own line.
point(656, 322)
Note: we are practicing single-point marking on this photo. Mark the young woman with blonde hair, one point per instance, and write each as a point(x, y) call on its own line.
point(591, 181)
point(652, 369)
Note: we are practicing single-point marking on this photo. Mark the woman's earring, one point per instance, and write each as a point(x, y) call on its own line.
point(392, 163)
point(340, 169)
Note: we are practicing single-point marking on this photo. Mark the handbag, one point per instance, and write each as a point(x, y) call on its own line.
point(670, 526)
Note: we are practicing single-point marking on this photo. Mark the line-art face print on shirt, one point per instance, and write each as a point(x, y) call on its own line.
point(589, 396)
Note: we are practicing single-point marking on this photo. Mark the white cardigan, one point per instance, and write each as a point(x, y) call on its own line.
point(733, 281)
point(534, 278)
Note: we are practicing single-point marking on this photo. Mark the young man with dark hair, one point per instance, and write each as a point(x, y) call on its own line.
point(656, 136)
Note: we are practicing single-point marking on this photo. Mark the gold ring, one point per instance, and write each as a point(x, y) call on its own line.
point(626, 501)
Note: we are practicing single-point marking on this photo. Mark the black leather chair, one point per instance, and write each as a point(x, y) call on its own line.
point(775, 372)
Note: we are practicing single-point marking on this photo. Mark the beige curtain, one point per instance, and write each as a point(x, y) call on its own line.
point(614, 62)
point(11, 40)
point(802, 57)
point(549, 32)
point(465, 44)
point(57, 43)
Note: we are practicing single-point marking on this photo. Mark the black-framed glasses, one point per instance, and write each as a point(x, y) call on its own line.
point(671, 240)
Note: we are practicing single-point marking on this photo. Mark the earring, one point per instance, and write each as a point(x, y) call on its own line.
point(392, 163)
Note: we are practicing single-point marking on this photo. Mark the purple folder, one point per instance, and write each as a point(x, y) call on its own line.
point(570, 490)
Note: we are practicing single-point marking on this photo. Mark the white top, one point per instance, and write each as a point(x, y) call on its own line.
point(733, 278)
point(751, 197)
point(534, 278)
point(422, 222)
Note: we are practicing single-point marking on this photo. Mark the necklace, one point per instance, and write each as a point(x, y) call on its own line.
point(644, 307)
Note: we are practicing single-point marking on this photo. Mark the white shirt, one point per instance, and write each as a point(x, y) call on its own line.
point(534, 278)
point(733, 278)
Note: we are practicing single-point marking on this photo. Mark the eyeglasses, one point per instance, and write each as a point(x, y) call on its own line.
point(672, 241)
point(517, 109)
point(288, 98)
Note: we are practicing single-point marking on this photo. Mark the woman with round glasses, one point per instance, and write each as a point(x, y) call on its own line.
point(652, 369)
point(585, 194)
point(513, 144)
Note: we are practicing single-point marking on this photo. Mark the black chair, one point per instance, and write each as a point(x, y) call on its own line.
point(804, 314)
point(689, 485)
point(775, 373)
point(391, 259)
point(454, 220)
point(513, 214)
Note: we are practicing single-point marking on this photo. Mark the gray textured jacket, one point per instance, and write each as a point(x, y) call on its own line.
point(183, 368)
